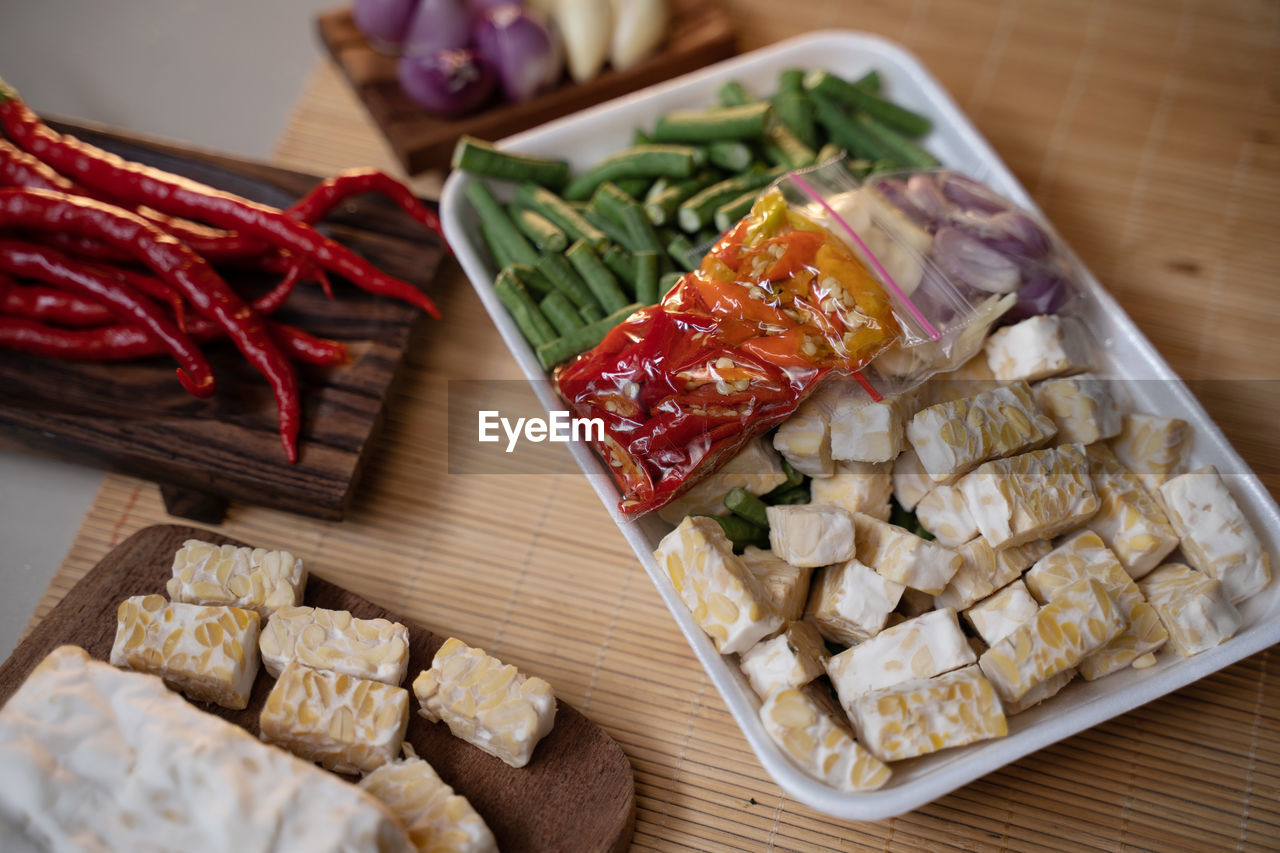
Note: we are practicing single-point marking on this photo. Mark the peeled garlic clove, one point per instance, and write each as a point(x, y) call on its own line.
point(586, 27)
point(966, 259)
point(639, 26)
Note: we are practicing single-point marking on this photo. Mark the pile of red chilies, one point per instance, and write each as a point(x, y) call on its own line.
point(116, 261)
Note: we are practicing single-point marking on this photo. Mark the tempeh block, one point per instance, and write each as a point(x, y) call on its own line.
point(438, 819)
point(944, 513)
point(1153, 448)
point(787, 585)
point(850, 602)
point(1129, 519)
point(1193, 607)
point(814, 736)
point(1037, 348)
point(1082, 408)
point(790, 659)
point(377, 649)
point(253, 578)
point(903, 557)
point(811, 535)
point(1036, 495)
point(983, 570)
point(996, 616)
point(857, 487)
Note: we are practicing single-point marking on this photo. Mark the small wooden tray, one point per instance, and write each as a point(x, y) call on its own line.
point(576, 794)
point(701, 33)
point(133, 417)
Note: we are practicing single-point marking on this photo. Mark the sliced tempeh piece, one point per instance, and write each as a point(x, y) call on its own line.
point(253, 578)
point(1036, 495)
point(1193, 607)
point(438, 819)
point(377, 649)
point(814, 735)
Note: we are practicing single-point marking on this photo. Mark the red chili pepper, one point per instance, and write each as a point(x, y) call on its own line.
point(126, 343)
point(20, 169)
point(153, 287)
point(125, 303)
point(315, 205)
point(52, 305)
point(134, 183)
point(175, 263)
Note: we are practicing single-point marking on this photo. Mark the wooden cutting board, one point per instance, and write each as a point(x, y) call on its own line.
point(134, 418)
point(576, 794)
point(700, 32)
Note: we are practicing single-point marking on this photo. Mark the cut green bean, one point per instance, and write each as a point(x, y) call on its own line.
point(591, 313)
point(639, 137)
point(733, 94)
point(794, 495)
point(542, 232)
point(528, 317)
point(662, 206)
point(646, 266)
point(784, 148)
point(747, 506)
point(499, 227)
point(899, 118)
point(480, 158)
point(564, 279)
point(580, 340)
point(634, 187)
point(844, 131)
point(794, 478)
point(869, 81)
point(625, 210)
point(698, 210)
point(615, 231)
point(728, 214)
point(791, 82)
point(561, 214)
point(682, 251)
point(604, 287)
point(748, 121)
point(795, 113)
point(639, 161)
point(533, 279)
point(729, 154)
point(742, 533)
point(903, 151)
point(497, 248)
point(560, 312)
point(622, 264)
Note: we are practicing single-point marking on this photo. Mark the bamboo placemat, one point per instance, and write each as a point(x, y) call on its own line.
point(1148, 133)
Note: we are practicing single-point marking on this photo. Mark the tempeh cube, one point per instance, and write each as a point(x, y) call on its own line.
point(944, 513)
point(925, 715)
point(757, 468)
point(1036, 495)
point(1129, 519)
point(983, 570)
point(438, 819)
point(813, 734)
point(850, 602)
point(1081, 406)
point(995, 617)
point(910, 481)
point(856, 486)
point(969, 379)
point(208, 653)
point(349, 725)
point(866, 431)
point(1193, 607)
point(1046, 689)
point(903, 557)
point(1037, 348)
point(804, 439)
point(787, 585)
point(953, 438)
point(922, 647)
point(727, 600)
point(1216, 537)
point(253, 578)
point(791, 658)
point(377, 649)
point(489, 704)
point(1153, 448)
point(811, 535)
point(1079, 621)
point(1084, 555)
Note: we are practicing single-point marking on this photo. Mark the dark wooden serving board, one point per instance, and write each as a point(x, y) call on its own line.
point(134, 418)
point(701, 32)
point(576, 794)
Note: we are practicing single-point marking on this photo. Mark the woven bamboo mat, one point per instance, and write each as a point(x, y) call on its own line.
point(1148, 132)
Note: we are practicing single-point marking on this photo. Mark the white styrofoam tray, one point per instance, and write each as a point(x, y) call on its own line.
point(1126, 354)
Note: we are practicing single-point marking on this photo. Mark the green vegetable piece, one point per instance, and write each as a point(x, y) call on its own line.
point(580, 340)
point(529, 319)
point(533, 280)
point(615, 231)
point(604, 287)
point(844, 131)
point(794, 478)
point(560, 311)
point(794, 495)
point(661, 205)
point(624, 209)
point(791, 82)
point(622, 264)
point(639, 161)
point(795, 113)
point(903, 151)
point(748, 121)
point(741, 532)
point(646, 284)
point(906, 519)
point(501, 230)
point(634, 187)
point(497, 249)
point(784, 148)
point(869, 81)
point(542, 232)
point(900, 119)
point(730, 212)
point(733, 94)
point(729, 154)
point(683, 252)
point(560, 213)
point(745, 505)
point(698, 210)
point(564, 279)
point(591, 313)
point(481, 158)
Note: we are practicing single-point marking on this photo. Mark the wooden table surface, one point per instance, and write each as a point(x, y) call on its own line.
point(1149, 133)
